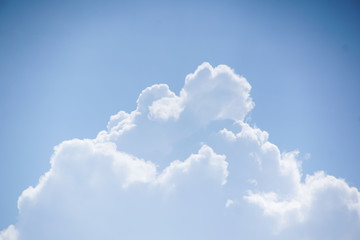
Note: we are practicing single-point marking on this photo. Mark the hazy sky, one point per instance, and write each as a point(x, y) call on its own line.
point(67, 66)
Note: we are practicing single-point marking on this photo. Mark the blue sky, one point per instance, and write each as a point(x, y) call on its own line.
point(66, 66)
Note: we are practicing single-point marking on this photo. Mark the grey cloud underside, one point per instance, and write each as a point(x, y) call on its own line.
point(185, 166)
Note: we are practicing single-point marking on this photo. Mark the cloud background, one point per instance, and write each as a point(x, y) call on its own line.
point(133, 181)
point(66, 66)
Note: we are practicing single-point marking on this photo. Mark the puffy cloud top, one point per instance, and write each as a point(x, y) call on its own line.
point(184, 166)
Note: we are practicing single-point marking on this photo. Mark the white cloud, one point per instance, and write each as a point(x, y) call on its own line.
point(217, 93)
point(322, 200)
point(9, 234)
point(229, 202)
point(185, 167)
point(206, 159)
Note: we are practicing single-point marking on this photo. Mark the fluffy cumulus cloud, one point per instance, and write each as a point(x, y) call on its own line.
point(185, 166)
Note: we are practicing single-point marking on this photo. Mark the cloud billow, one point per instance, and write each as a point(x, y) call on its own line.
point(185, 166)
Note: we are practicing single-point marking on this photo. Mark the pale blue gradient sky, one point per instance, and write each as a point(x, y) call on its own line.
point(66, 66)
